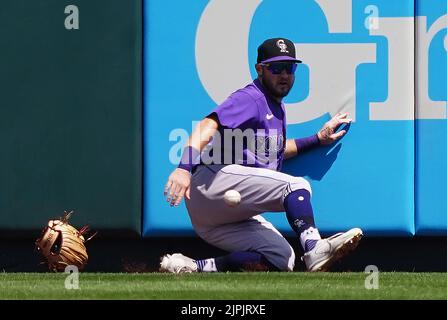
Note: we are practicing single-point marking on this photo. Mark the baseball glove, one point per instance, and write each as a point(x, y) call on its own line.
point(62, 245)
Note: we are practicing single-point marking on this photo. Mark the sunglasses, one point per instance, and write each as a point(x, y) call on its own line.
point(278, 67)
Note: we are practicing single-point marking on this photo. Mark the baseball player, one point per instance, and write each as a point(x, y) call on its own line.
point(241, 146)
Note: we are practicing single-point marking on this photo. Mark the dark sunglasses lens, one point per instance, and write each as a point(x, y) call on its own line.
point(277, 68)
point(294, 66)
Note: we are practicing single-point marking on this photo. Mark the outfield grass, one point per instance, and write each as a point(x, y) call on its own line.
point(265, 286)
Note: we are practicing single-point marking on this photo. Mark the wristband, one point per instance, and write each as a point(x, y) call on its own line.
point(190, 158)
point(305, 144)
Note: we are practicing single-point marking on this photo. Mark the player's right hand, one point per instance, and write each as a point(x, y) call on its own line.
point(178, 186)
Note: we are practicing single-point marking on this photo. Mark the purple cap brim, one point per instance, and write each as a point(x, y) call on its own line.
point(281, 58)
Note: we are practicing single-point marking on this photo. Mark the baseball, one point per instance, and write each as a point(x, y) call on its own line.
point(232, 198)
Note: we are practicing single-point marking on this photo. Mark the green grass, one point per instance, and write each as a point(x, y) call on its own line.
point(265, 286)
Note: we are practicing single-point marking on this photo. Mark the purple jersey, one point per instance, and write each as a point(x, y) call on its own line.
point(251, 132)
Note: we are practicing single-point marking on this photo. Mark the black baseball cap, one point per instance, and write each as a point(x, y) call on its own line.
point(277, 49)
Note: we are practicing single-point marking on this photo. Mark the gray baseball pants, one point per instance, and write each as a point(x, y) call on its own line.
point(241, 228)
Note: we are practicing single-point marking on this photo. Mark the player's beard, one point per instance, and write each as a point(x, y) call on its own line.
point(279, 88)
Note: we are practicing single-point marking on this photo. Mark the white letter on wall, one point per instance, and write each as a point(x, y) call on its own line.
point(338, 15)
point(399, 104)
point(332, 79)
point(222, 46)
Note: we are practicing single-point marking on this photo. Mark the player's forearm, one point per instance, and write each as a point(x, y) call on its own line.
point(199, 138)
point(291, 149)
point(296, 146)
point(202, 134)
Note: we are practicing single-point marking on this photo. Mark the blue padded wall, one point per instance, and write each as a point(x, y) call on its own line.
point(431, 160)
point(358, 58)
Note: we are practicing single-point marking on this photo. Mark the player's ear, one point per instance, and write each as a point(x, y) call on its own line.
point(259, 69)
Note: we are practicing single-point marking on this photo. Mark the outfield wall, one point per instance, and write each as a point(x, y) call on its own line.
point(384, 62)
point(70, 114)
point(74, 115)
point(431, 93)
point(358, 58)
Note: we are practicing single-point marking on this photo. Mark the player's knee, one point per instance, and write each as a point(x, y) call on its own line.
point(286, 261)
point(298, 183)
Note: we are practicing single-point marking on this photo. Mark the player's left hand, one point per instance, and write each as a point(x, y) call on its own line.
point(328, 134)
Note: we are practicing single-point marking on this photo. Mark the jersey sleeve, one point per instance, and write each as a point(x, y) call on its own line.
point(237, 111)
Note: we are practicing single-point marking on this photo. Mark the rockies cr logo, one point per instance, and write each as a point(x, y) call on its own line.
point(281, 45)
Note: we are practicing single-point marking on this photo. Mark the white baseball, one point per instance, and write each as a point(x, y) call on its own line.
point(232, 198)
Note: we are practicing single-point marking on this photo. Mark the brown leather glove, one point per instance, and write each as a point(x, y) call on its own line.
point(62, 245)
